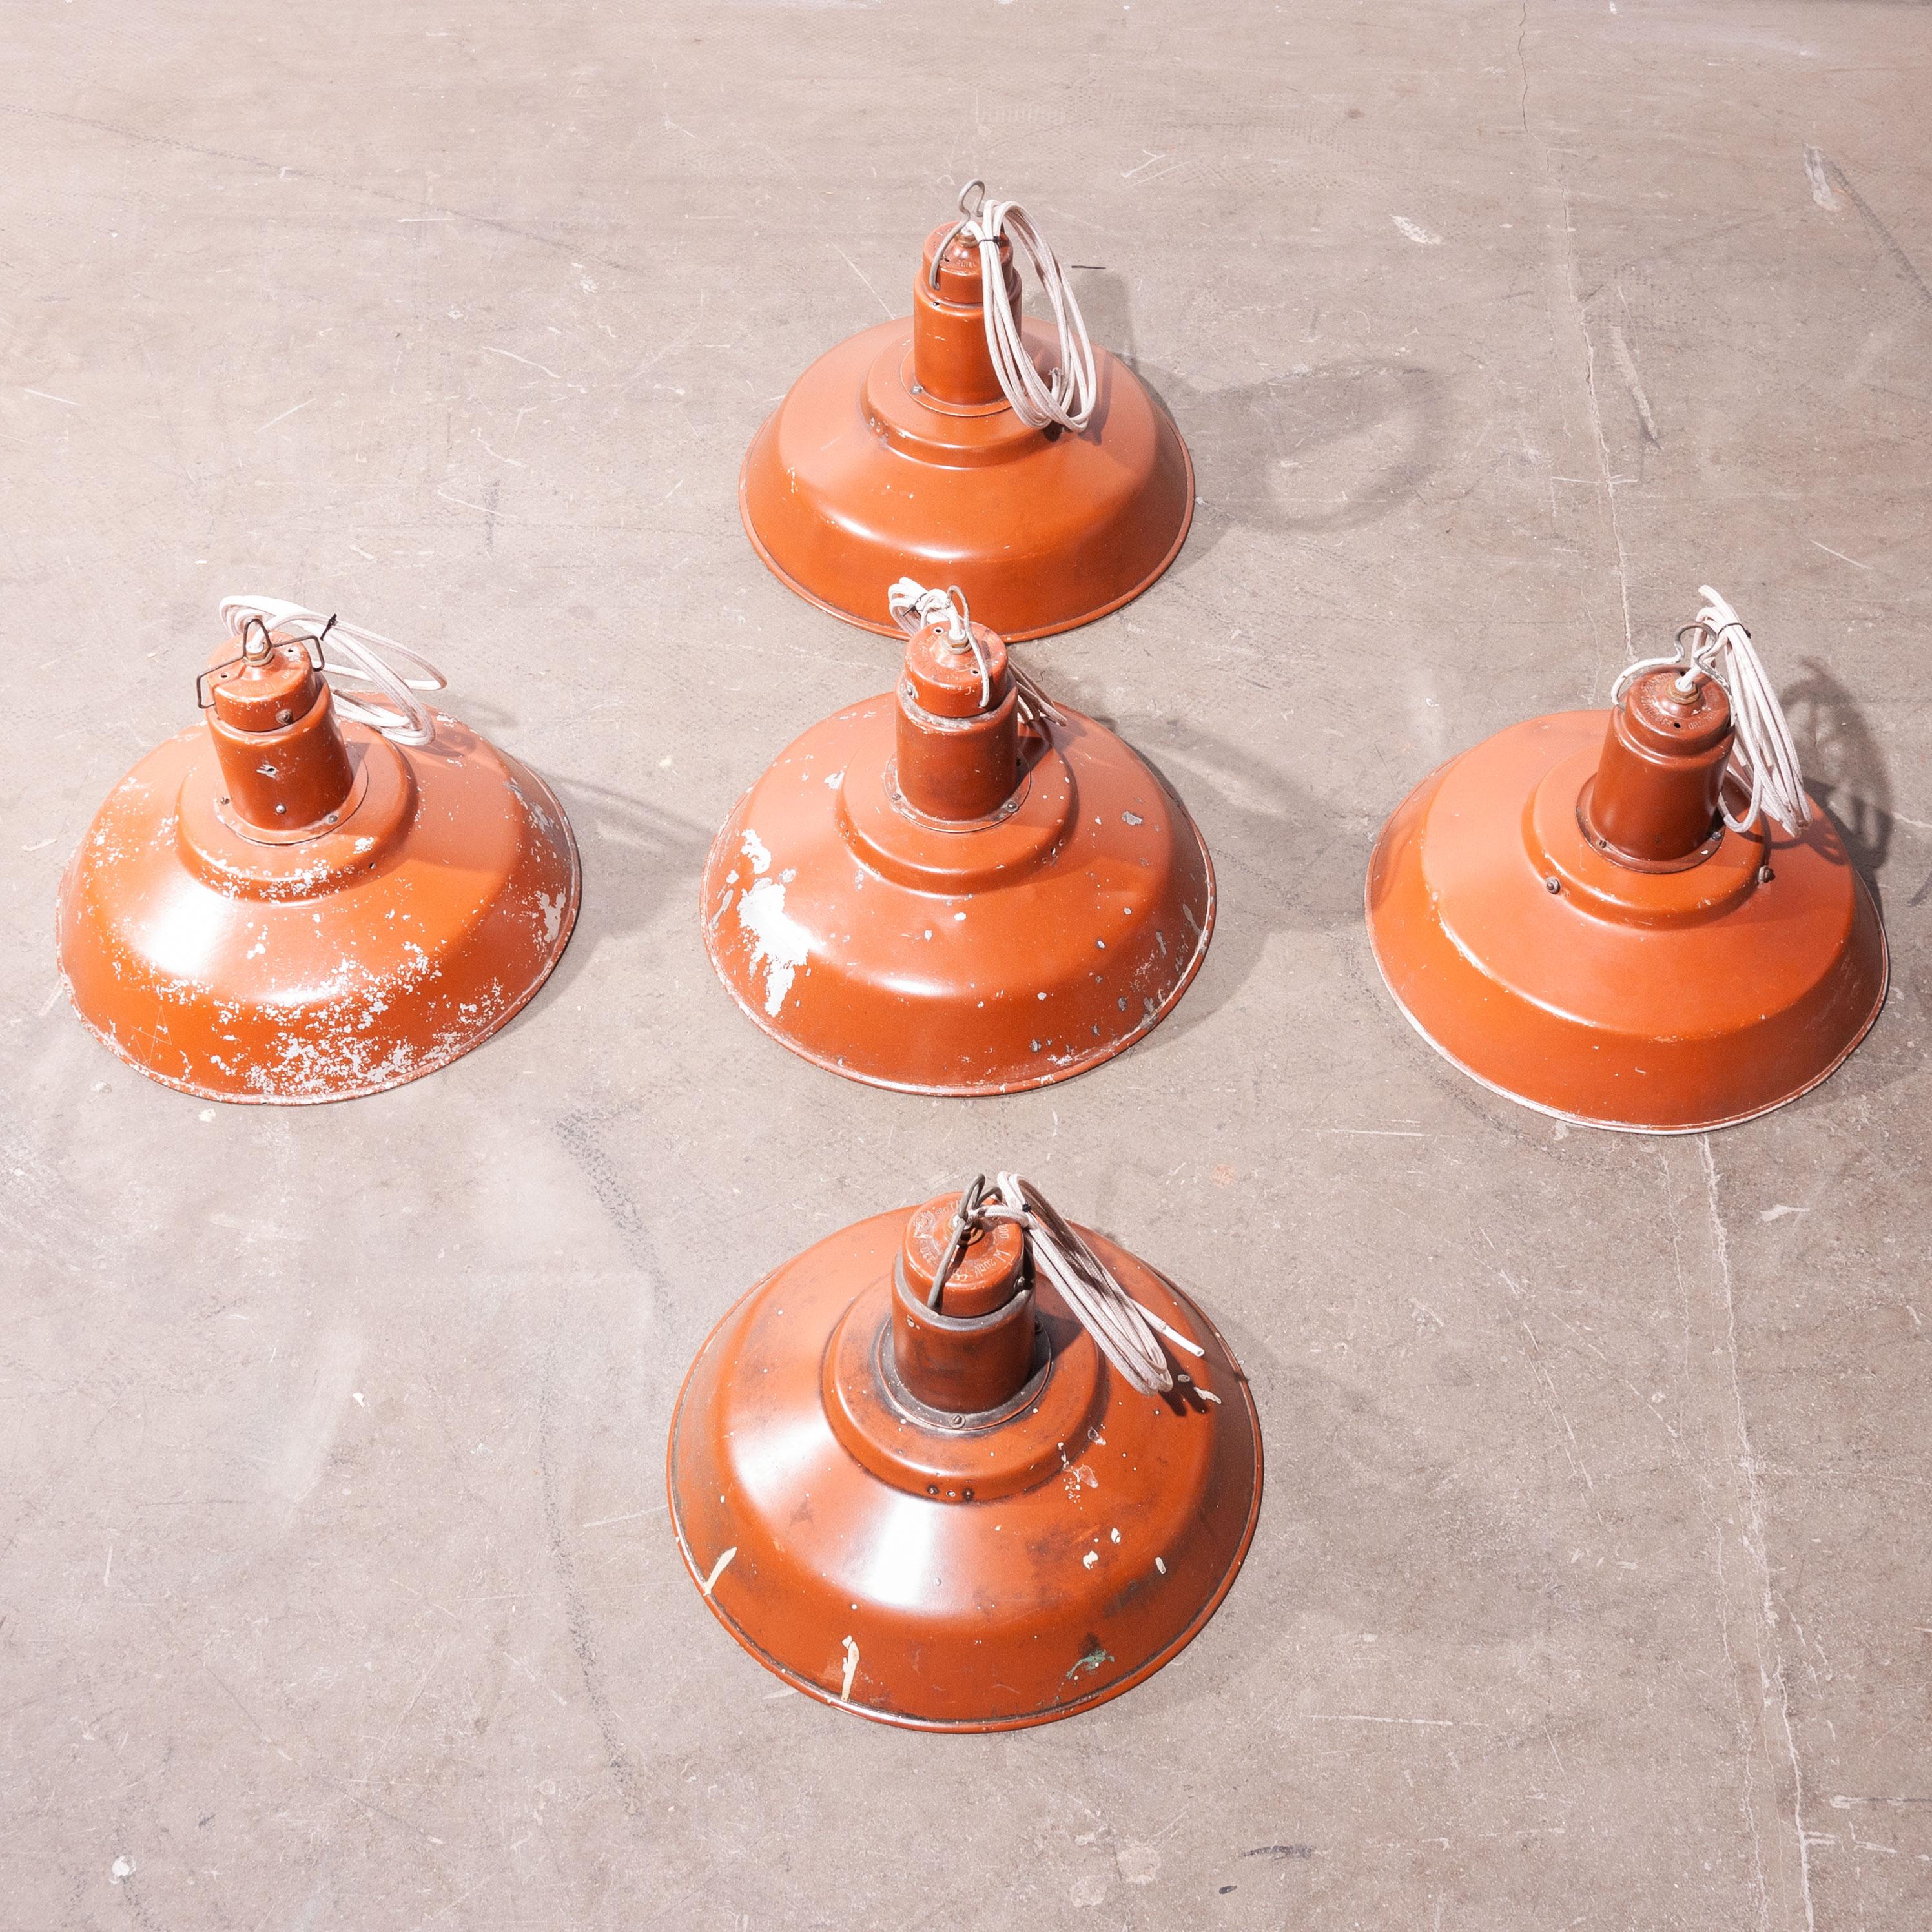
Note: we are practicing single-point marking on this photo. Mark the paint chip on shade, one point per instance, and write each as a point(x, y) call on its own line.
point(778, 941)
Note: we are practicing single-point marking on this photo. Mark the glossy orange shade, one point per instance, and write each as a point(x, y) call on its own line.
point(933, 893)
point(1561, 913)
point(896, 451)
point(944, 1568)
point(279, 905)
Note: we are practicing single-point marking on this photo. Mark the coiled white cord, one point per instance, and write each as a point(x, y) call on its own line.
point(1764, 760)
point(913, 607)
point(1126, 1333)
point(1068, 398)
point(346, 655)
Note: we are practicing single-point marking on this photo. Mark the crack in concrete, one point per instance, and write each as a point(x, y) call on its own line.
point(1776, 1701)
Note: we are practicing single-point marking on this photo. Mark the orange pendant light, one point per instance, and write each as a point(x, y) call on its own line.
point(965, 1467)
point(935, 445)
point(314, 895)
point(955, 887)
point(1638, 921)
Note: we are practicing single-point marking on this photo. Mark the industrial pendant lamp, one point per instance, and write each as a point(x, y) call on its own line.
point(964, 1466)
point(1036, 472)
point(326, 890)
point(957, 887)
point(1639, 921)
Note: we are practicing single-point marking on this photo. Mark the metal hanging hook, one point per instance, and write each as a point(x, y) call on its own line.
point(351, 658)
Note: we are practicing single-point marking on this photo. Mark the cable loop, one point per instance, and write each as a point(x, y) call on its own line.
point(348, 656)
point(913, 607)
point(1764, 759)
point(1068, 397)
point(1127, 1334)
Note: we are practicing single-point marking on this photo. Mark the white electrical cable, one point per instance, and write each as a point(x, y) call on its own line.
point(347, 656)
point(1068, 397)
point(913, 606)
point(1764, 760)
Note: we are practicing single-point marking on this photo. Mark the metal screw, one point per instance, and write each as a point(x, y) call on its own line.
point(1553, 883)
point(1764, 875)
point(280, 809)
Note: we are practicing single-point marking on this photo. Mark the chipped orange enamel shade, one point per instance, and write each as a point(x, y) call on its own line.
point(938, 891)
point(1564, 915)
point(278, 905)
point(960, 1518)
point(897, 452)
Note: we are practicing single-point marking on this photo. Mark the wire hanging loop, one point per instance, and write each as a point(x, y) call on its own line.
point(972, 199)
point(1764, 759)
point(1065, 400)
point(354, 661)
point(968, 1221)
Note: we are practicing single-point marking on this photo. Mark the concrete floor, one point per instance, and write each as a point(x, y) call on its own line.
point(1592, 1588)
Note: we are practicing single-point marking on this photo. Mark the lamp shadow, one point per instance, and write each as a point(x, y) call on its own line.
point(1268, 455)
point(635, 857)
point(1362, 1528)
point(1843, 768)
point(1283, 860)
point(1846, 773)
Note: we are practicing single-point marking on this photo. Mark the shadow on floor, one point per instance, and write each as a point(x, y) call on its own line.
point(1844, 768)
point(636, 858)
point(1263, 450)
point(1283, 862)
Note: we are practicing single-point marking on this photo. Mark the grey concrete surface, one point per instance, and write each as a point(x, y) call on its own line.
point(1591, 1587)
